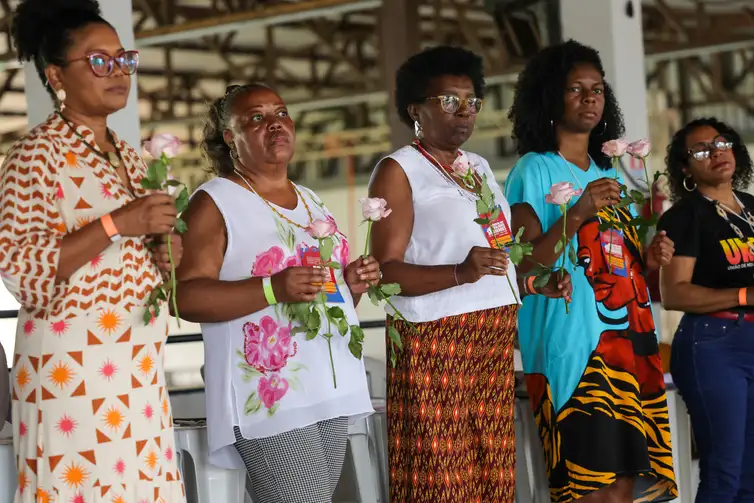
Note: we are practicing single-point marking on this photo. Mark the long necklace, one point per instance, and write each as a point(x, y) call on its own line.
point(447, 172)
point(573, 174)
point(723, 211)
point(269, 205)
point(112, 158)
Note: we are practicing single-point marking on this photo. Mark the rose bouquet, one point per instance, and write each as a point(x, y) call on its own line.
point(163, 147)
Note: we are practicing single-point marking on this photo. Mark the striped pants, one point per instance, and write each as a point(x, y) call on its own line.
point(298, 466)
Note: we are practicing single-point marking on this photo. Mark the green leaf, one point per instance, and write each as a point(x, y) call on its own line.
point(652, 220)
point(572, 255)
point(325, 249)
point(333, 265)
point(559, 246)
point(299, 330)
point(149, 184)
point(658, 174)
point(357, 332)
point(161, 172)
point(603, 226)
point(313, 320)
point(527, 248)
point(395, 337)
point(152, 172)
point(249, 372)
point(637, 196)
point(486, 193)
point(271, 411)
point(335, 313)
point(541, 279)
point(253, 404)
point(180, 225)
point(356, 348)
point(516, 253)
point(495, 214)
point(294, 382)
point(312, 334)
point(343, 326)
point(390, 289)
point(173, 183)
point(393, 356)
point(147, 316)
point(482, 221)
point(519, 233)
point(481, 207)
point(301, 310)
point(182, 201)
point(375, 296)
point(322, 298)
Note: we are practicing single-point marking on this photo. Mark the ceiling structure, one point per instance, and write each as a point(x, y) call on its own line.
point(324, 57)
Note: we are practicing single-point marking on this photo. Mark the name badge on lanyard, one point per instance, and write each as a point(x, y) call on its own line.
point(310, 257)
point(613, 249)
point(498, 232)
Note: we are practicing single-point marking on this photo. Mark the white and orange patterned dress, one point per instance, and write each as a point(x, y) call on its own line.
point(91, 415)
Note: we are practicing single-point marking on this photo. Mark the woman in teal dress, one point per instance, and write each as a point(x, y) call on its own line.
point(594, 376)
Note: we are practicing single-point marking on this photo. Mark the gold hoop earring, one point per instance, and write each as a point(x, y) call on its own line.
point(685, 185)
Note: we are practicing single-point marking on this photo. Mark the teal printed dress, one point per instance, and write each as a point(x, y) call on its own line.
point(594, 376)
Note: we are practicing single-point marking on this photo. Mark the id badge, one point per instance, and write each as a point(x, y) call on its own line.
point(498, 232)
point(310, 257)
point(613, 247)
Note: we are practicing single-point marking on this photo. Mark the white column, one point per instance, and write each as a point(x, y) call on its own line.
point(125, 122)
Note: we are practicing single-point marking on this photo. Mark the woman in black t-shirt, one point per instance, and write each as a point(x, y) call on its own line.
point(711, 279)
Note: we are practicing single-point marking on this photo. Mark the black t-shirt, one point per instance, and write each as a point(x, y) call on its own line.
point(722, 259)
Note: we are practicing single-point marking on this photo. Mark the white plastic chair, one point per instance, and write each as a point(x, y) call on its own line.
point(8, 474)
point(366, 481)
point(531, 463)
point(206, 483)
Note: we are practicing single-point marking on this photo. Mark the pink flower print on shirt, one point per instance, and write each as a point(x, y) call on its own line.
point(273, 261)
point(271, 389)
point(268, 346)
point(28, 327)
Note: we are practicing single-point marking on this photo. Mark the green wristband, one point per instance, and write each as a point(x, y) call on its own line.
point(268, 293)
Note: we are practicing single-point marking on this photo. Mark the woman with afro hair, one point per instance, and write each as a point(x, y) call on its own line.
point(91, 415)
point(594, 375)
point(450, 395)
point(711, 280)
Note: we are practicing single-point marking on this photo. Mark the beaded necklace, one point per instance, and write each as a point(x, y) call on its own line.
point(448, 174)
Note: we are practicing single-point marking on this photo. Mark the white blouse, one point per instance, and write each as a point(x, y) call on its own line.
point(260, 377)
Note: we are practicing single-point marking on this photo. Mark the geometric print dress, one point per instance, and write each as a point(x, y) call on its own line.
point(91, 414)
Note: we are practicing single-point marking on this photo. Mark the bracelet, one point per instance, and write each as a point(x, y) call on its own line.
point(742, 296)
point(529, 285)
point(268, 293)
point(455, 274)
point(110, 229)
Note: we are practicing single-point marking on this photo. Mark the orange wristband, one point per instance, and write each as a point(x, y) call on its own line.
point(742, 297)
point(530, 284)
point(109, 226)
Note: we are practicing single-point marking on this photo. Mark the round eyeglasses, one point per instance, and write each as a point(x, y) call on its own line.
point(102, 65)
point(703, 151)
point(451, 104)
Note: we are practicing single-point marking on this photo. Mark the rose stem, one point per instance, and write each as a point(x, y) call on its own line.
point(173, 283)
point(565, 243)
point(369, 235)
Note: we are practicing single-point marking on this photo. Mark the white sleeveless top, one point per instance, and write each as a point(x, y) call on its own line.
point(258, 376)
point(444, 233)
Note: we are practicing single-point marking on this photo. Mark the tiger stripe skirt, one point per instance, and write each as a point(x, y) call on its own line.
point(450, 410)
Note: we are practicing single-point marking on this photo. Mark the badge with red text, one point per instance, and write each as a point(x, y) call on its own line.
point(613, 248)
point(498, 232)
point(310, 257)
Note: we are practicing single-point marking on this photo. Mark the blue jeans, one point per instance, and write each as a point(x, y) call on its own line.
point(712, 364)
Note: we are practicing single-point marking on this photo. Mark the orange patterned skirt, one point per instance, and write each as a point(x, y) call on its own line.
point(450, 410)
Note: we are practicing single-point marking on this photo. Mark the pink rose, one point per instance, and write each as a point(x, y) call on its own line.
point(640, 148)
point(561, 193)
point(344, 254)
point(374, 208)
point(163, 143)
point(461, 166)
point(615, 148)
point(320, 229)
point(268, 346)
point(271, 389)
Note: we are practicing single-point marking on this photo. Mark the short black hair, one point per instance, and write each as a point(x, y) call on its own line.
point(216, 150)
point(678, 156)
point(414, 76)
point(538, 103)
point(42, 30)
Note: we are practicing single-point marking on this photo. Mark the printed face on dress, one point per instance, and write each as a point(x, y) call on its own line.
point(85, 91)
point(261, 129)
point(612, 290)
point(443, 126)
point(584, 99)
point(710, 160)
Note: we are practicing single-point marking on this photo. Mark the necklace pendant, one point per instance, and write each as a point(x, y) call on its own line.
point(113, 159)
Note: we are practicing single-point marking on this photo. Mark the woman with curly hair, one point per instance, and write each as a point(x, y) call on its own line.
point(450, 394)
point(594, 375)
point(711, 280)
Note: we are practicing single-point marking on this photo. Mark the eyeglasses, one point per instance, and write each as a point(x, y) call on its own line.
point(451, 104)
point(102, 65)
point(703, 151)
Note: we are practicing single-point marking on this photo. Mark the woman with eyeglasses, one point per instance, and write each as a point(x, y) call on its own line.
point(450, 393)
point(711, 280)
point(91, 414)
